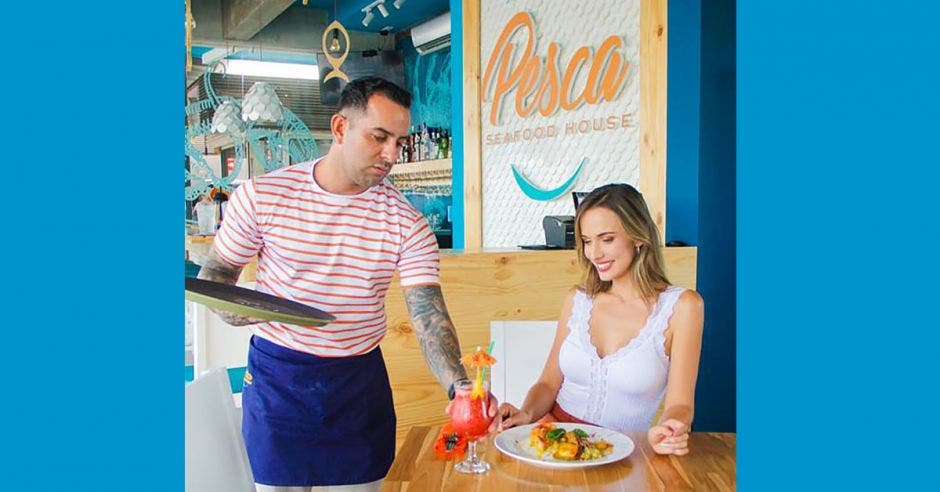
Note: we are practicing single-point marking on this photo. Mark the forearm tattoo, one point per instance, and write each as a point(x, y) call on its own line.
point(219, 270)
point(435, 332)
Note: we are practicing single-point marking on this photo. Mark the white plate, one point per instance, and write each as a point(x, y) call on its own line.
point(515, 443)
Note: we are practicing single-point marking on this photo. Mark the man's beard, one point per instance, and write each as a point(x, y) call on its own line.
point(367, 180)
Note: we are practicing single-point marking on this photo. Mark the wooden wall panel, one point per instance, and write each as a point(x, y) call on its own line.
point(472, 131)
point(653, 37)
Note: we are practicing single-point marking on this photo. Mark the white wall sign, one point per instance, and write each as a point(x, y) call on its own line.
point(560, 109)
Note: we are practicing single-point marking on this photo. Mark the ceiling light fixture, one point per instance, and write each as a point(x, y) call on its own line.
point(262, 104)
point(379, 4)
point(334, 52)
point(271, 69)
point(227, 119)
point(334, 43)
point(398, 3)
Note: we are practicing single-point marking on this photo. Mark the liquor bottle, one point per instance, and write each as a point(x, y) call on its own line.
point(425, 142)
point(406, 148)
point(435, 148)
point(440, 144)
point(419, 147)
point(445, 145)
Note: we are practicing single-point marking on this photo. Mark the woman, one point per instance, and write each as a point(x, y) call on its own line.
point(626, 338)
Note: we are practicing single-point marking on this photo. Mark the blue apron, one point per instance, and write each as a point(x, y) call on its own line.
point(316, 421)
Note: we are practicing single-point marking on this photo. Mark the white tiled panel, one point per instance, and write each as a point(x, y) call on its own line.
point(611, 155)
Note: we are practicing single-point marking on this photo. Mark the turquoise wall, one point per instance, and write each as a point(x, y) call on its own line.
point(427, 77)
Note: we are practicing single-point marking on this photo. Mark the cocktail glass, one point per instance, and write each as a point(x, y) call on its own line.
point(469, 418)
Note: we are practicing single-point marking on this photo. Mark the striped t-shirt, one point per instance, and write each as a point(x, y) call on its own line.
point(334, 252)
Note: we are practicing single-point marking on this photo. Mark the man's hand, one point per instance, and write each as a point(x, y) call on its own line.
point(218, 270)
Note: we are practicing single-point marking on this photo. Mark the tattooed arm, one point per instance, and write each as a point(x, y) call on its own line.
point(435, 332)
point(219, 270)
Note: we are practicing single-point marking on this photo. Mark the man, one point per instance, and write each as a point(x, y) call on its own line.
point(205, 212)
point(317, 402)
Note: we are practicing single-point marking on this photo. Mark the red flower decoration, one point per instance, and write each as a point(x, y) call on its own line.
point(449, 445)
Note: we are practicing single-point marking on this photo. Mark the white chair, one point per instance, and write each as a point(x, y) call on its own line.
point(216, 459)
point(520, 349)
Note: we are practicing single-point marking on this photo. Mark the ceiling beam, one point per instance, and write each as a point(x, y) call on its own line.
point(297, 30)
point(242, 19)
point(216, 54)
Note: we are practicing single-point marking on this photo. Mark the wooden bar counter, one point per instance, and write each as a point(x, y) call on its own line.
point(710, 465)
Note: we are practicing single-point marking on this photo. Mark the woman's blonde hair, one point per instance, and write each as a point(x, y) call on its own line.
point(648, 268)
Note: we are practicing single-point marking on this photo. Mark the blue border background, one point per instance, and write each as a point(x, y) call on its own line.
point(92, 394)
point(837, 244)
point(837, 259)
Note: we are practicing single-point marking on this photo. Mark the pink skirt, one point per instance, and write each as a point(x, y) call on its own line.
point(558, 414)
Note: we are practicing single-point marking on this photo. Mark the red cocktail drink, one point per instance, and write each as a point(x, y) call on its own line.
point(469, 410)
point(468, 413)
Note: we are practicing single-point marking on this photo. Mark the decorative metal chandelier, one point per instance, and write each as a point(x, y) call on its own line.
point(258, 124)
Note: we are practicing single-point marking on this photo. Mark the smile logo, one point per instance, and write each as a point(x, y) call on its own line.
point(536, 193)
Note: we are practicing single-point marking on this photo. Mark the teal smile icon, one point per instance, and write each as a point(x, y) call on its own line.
point(536, 193)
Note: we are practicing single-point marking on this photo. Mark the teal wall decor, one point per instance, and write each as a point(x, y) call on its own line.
point(267, 143)
point(427, 78)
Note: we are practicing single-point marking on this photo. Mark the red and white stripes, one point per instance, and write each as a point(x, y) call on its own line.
point(333, 252)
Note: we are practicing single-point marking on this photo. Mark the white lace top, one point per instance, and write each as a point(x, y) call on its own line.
point(622, 390)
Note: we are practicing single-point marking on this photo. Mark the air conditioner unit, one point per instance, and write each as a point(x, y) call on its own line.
point(432, 35)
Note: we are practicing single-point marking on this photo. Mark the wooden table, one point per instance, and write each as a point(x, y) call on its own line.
point(710, 465)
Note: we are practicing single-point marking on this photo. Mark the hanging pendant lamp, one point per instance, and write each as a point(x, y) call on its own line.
point(227, 119)
point(262, 104)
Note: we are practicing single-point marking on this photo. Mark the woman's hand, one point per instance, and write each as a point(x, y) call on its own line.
point(509, 416)
point(670, 436)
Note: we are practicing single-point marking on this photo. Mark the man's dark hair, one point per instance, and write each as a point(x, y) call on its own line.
point(356, 94)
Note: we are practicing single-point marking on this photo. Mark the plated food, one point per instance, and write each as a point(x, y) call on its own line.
point(567, 445)
point(518, 443)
